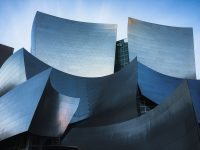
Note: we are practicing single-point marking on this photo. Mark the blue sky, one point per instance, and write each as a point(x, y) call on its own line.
point(16, 16)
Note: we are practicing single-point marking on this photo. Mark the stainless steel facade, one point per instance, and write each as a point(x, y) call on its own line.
point(41, 105)
point(17, 69)
point(17, 107)
point(165, 49)
point(157, 87)
point(96, 94)
point(78, 48)
point(62, 95)
point(36, 108)
point(171, 125)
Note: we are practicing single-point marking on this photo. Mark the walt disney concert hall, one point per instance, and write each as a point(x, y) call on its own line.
point(80, 89)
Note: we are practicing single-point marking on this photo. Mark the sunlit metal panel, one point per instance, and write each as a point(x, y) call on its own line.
point(18, 68)
point(35, 106)
point(18, 106)
point(165, 49)
point(78, 48)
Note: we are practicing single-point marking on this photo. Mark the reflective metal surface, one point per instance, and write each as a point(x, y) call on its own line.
point(53, 113)
point(36, 107)
point(78, 48)
point(18, 106)
point(171, 125)
point(155, 86)
point(60, 97)
point(5, 52)
point(12, 72)
point(17, 69)
point(165, 49)
point(101, 95)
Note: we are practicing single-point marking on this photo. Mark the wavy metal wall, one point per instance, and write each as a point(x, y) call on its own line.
point(165, 49)
point(78, 48)
point(171, 125)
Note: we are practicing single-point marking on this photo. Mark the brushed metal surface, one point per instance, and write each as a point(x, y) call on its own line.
point(165, 49)
point(156, 86)
point(18, 68)
point(171, 125)
point(36, 107)
point(62, 93)
point(18, 106)
point(102, 94)
point(78, 48)
point(53, 113)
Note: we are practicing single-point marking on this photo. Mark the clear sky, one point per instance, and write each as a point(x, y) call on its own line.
point(16, 16)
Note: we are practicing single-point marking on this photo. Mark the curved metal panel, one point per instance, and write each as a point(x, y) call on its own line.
point(156, 86)
point(5, 52)
point(53, 113)
point(12, 72)
point(95, 94)
point(18, 68)
point(100, 95)
point(168, 50)
point(194, 86)
point(33, 66)
point(43, 111)
point(18, 106)
point(78, 48)
point(171, 125)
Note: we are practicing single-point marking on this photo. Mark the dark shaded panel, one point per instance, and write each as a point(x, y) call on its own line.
point(5, 52)
point(155, 86)
point(53, 113)
point(78, 48)
point(165, 49)
point(194, 86)
point(33, 65)
point(100, 95)
point(171, 125)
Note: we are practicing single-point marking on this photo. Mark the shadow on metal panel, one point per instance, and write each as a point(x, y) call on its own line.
point(171, 125)
point(17, 69)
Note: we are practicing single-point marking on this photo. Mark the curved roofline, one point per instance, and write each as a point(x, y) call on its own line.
point(160, 74)
point(96, 23)
point(157, 24)
point(76, 76)
point(23, 50)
